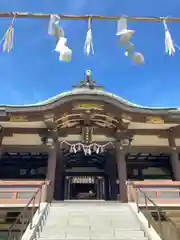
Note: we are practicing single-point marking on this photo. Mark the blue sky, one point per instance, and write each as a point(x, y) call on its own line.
point(32, 71)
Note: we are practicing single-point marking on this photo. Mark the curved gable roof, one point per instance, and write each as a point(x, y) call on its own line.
point(86, 93)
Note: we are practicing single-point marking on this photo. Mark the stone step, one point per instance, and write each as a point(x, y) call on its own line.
point(91, 221)
point(95, 238)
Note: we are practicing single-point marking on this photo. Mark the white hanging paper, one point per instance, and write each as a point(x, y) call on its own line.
point(169, 47)
point(52, 24)
point(8, 39)
point(129, 50)
point(88, 46)
point(138, 58)
point(65, 54)
point(54, 29)
point(123, 32)
point(121, 26)
point(60, 44)
point(59, 32)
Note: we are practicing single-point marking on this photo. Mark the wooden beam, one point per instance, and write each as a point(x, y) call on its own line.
point(8, 131)
point(87, 119)
point(52, 128)
point(50, 122)
point(130, 149)
point(53, 133)
point(85, 17)
point(173, 130)
point(112, 131)
point(123, 125)
point(172, 142)
point(1, 134)
point(1, 140)
point(148, 149)
point(25, 148)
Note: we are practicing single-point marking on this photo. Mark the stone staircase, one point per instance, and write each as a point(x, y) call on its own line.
point(81, 220)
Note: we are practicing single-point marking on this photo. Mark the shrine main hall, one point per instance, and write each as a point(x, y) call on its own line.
point(89, 143)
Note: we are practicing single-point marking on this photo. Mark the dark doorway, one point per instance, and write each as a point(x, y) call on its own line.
point(83, 191)
point(82, 176)
point(85, 187)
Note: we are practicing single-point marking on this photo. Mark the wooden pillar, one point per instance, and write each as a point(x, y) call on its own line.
point(175, 162)
point(110, 169)
point(1, 140)
point(122, 172)
point(52, 159)
point(1, 152)
point(59, 176)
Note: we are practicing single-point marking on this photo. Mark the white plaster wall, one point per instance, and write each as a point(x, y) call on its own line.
point(22, 139)
point(38, 124)
point(149, 140)
point(96, 138)
point(177, 141)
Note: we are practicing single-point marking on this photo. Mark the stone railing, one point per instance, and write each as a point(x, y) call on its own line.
point(26, 220)
point(19, 192)
point(162, 192)
point(152, 207)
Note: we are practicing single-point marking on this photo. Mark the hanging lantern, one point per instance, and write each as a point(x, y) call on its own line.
point(123, 32)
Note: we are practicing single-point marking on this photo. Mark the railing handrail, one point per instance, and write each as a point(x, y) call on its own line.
point(158, 208)
point(161, 190)
point(151, 201)
point(31, 201)
point(156, 183)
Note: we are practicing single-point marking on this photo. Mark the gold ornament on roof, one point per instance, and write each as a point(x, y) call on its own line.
point(18, 119)
point(126, 117)
point(155, 120)
point(88, 106)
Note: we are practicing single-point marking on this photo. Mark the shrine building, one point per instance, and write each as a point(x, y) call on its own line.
point(87, 141)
